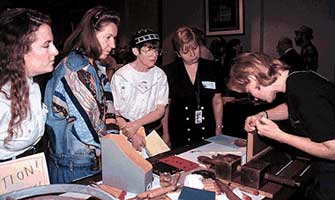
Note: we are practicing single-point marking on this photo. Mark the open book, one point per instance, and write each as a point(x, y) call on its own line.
point(154, 143)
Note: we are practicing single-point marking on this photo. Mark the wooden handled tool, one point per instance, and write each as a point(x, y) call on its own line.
point(224, 188)
point(254, 174)
point(281, 180)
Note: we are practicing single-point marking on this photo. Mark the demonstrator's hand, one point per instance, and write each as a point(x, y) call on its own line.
point(268, 128)
point(250, 122)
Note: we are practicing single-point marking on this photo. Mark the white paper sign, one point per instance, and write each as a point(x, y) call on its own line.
point(23, 173)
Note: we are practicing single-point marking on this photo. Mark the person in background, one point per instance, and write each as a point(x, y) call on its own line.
point(140, 89)
point(26, 50)
point(309, 53)
point(195, 109)
point(233, 49)
point(218, 49)
point(79, 104)
point(312, 112)
point(289, 55)
point(205, 53)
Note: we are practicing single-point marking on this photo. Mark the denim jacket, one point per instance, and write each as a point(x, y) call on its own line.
point(75, 121)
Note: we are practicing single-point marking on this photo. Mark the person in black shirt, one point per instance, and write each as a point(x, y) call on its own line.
point(195, 109)
point(233, 49)
point(312, 112)
point(309, 53)
point(289, 55)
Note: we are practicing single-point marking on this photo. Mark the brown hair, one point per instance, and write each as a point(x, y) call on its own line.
point(183, 38)
point(262, 66)
point(83, 38)
point(17, 33)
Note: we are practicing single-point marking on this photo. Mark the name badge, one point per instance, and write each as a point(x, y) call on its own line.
point(209, 85)
point(198, 117)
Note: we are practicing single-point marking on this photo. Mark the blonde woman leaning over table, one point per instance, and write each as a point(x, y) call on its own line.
point(310, 111)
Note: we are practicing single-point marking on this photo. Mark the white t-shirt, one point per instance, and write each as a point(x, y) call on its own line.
point(137, 93)
point(32, 128)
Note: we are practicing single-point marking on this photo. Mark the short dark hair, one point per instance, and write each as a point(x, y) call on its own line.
point(83, 38)
point(144, 36)
point(286, 41)
point(307, 31)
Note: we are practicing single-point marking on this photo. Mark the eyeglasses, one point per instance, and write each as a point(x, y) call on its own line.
point(151, 51)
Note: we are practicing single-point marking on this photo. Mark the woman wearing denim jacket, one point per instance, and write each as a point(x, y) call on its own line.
point(80, 105)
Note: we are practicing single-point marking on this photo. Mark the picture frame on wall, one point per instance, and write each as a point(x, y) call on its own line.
point(224, 17)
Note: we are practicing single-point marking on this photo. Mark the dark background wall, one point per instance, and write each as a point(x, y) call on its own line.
point(282, 17)
point(67, 13)
point(177, 13)
point(264, 21)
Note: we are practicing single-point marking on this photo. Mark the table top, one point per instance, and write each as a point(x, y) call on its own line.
point(221, 144)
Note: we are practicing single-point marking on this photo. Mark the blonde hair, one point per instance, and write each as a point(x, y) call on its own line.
point(184, 38)
point(263, 67)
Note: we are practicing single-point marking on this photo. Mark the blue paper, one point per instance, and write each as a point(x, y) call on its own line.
point(188, 193)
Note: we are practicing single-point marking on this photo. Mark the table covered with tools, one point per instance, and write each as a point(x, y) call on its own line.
point(218, 168)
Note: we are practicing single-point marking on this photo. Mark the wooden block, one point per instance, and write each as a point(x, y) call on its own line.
point(123, 167)
point(179, 163)
point(252, 173)
point(23, 173)
point(255, 146)
point(154, 144)
point(226, 166)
